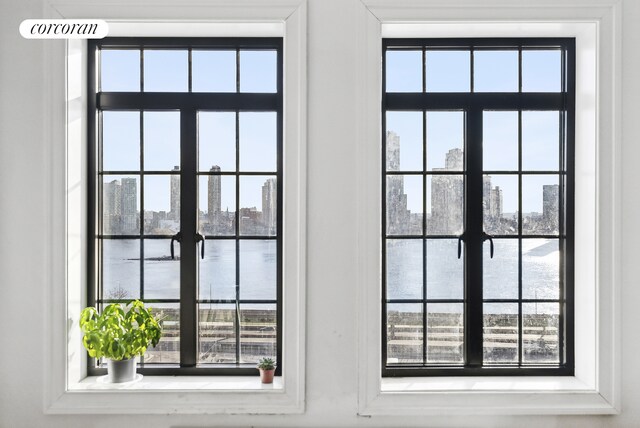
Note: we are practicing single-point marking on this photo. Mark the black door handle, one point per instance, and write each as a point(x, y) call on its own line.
point(486, 236)
point(200, 238)
point(460, 239)
point(176, 237)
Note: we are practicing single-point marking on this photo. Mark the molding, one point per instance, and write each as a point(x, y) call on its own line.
point(65, 140)
point(596, 387)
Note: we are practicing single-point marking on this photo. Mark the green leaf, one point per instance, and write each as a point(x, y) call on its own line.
point(119, 334)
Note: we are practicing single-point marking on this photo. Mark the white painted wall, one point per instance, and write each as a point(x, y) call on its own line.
point(331, 324)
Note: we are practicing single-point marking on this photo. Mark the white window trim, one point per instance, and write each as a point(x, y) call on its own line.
point(67, 387)
point(595, 388)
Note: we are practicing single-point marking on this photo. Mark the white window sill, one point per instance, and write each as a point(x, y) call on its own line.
point(250, 384)
point(486, 396)
point(179, 395)
point(489, 383)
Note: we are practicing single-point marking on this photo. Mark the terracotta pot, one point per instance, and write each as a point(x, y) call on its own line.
point(266, 376)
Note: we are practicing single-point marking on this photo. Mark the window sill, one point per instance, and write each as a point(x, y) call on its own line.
point(544, 395)
point(482, 384)
point(249, 384)
point(179, 395)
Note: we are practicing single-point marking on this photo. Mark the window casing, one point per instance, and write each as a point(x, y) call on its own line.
point(243, 325)
point(429, 284)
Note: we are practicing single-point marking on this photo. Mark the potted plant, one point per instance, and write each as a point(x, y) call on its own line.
point(119, 335)
point(267, 368)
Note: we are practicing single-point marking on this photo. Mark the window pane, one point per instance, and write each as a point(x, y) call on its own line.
point(500, 333)
point(217, 333)
point(258, 71)
point(120, 269)
point(119, 70)
point(404, 333)
point(258, 141)
point(404, 141)
point(161, 273)
point(161, 204)
point(448, 71)
point(213, 71)
point(445, 271)
point(500, 204)
point(540, 204)
point(404, 204)
point(500, 140)
point(445, 140)
point(168, 349)
point(258, 205)
point(120, 205)
point(495, 71)
point(541, 71)
point(540, 140)
point(257, 333)
point(500, 273)
point(445, 204)
point(217, 140)
point(161, 140)
point(166, 70)
point(120, 141)
point(258, 261)
point(218, 270)
point(540, 332)
point(404, 71)
point(540, 269)
point(445, 333)
point(217, 205)
point(404, 268)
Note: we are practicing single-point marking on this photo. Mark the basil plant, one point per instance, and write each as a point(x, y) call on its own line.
point(117, 333)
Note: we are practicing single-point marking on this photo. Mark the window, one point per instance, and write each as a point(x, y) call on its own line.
point(477, 190)
point(185, 178)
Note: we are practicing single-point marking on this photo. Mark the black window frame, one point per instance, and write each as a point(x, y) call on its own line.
point(473, 104)
point(188, 103)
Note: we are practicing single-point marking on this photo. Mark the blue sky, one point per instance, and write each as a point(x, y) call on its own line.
point(213, 71)
point(449, 71)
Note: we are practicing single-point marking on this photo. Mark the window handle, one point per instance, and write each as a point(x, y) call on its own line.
point(176, 237)
point(486, 236)
point(200, 238)
point(460, 239)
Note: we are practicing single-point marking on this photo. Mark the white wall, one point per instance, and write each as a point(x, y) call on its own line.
point(331, 324)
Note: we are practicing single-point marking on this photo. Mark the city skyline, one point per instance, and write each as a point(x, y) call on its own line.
point(445, 198)
point(121, 214)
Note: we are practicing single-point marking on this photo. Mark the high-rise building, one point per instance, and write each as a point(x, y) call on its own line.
point(175, 194)
point(447, 196)
point(398, 216)
point(129, 205)
point(270, 205)
point(111, 207)
point(214, 194)
point(495, 198)
point(491, 200)
point(393, 151)
point(550, 205)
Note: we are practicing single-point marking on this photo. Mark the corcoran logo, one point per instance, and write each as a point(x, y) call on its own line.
point(64, 29)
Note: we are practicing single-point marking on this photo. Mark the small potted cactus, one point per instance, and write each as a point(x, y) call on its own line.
point(267, 368)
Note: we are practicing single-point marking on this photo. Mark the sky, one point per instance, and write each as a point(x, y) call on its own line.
point(446, 71)
point(494, 71)
point(213, 71)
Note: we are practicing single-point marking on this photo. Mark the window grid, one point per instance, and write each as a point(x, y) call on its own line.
point(475, 103)
point(187, 104)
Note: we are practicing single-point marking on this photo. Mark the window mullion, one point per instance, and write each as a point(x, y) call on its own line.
point(188, 248)
point(473, 240)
